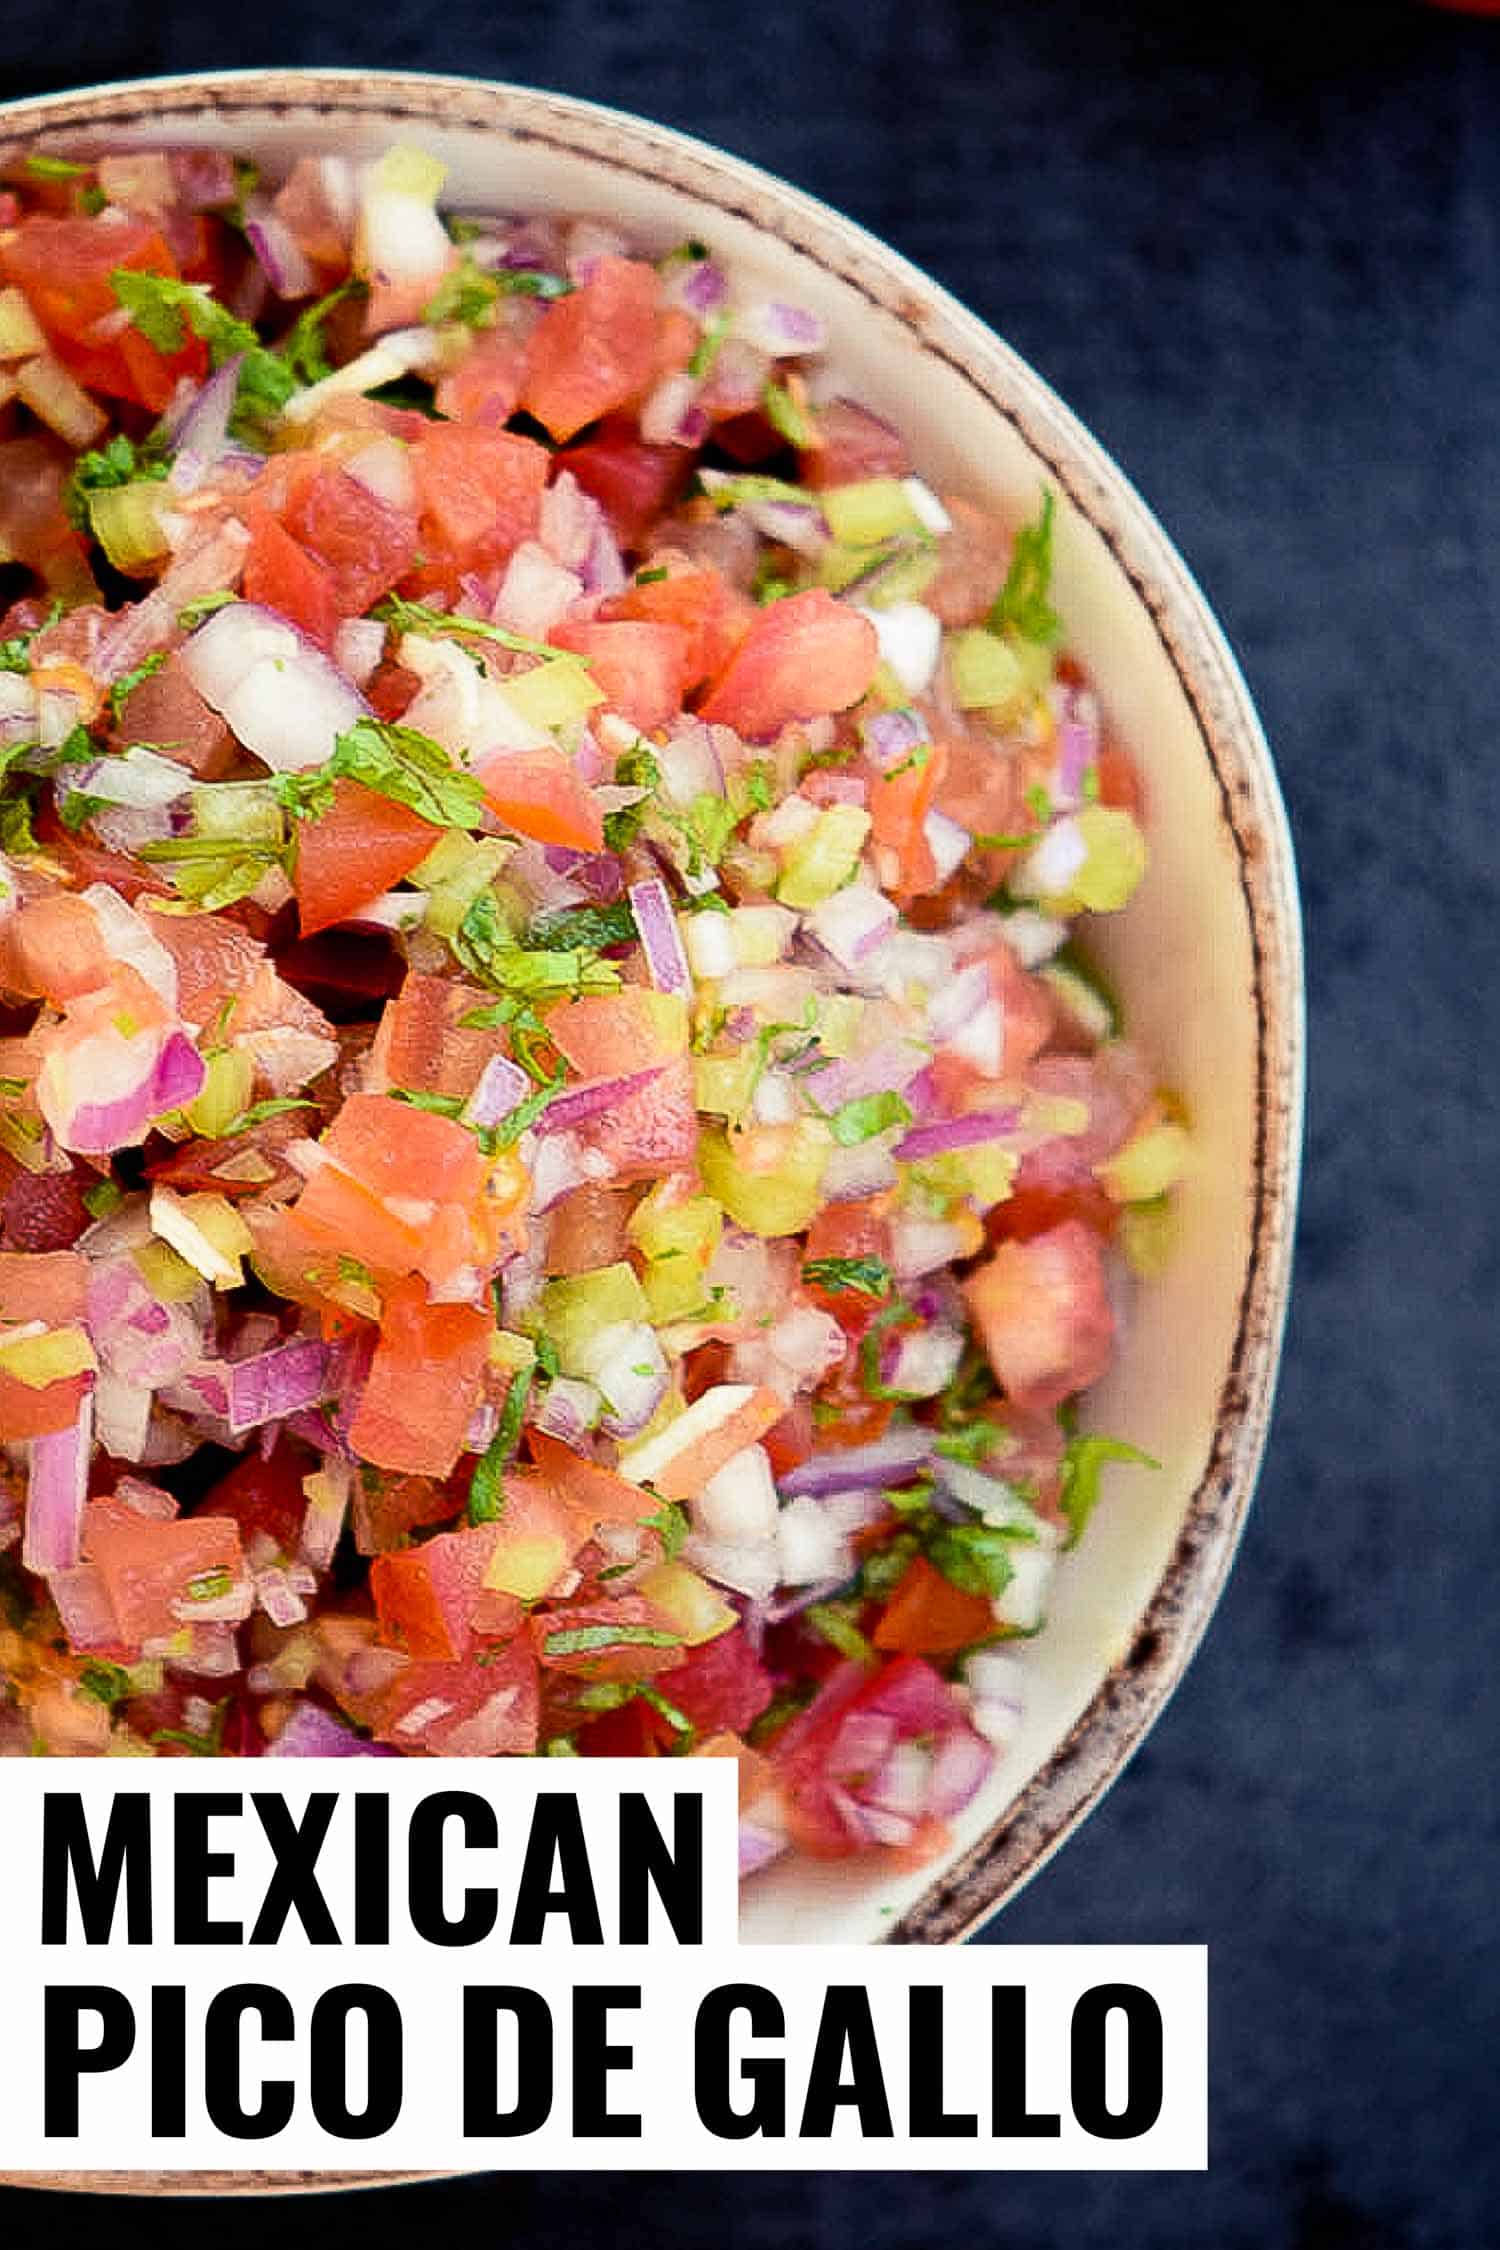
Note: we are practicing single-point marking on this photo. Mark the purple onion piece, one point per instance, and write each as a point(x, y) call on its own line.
point(660, 938)
point(565, 1111)
point(502, 1085)
point(57, 1487)
point(890, 1461)
point(942, 1138)
point(312, 1732)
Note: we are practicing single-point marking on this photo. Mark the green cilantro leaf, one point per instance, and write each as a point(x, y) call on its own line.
point(396, 762)
point(165, 310)
point(519, 1120)
point(670, 1523)
point(130, 681)
point(840, 1631)
point(972, 1557)
point(863, 1277)
point(1083, 1459)
point(1022, 605)
point(486, 1493)
point(303, 347)
point(105, 468)
point(577, 927)
point(861, 1119)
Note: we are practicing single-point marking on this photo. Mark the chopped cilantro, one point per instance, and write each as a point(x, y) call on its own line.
point(396, 762)
point(869, 1114)
point(651, 577)
point(1022, 605)
point(130, 681)
point(1083, 1459)
point(670, 1524)
point(705, 827)
point(206, 1745)
point(585, 1640)
point(486, 1496)
point(55, 168)
point(972, 1557)
point(864, 1277)
point(872, 1348)
point(75, 807)
point(525, 1114)
point(837, 1628)
point(420, 617)
point(303, 347)
point(471, 293)
point(259, 1113)
point(583, 926)
point(484, 945)
point(1039, 803)
point(165, 310)
point(710, 344)
point(103, 469)
point(106, 1683)
point(193, 613)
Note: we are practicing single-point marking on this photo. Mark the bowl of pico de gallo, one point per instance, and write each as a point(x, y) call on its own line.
point(650, 992)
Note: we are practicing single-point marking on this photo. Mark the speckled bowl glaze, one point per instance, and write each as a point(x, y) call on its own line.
point(1208, 955)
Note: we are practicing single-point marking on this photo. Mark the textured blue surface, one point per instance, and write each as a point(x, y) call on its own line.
point(1257, 249)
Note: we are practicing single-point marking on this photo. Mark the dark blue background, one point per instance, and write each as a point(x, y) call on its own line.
point(1259, 250)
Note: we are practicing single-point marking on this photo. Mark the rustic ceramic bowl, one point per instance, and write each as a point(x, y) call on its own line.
point(1208, 954)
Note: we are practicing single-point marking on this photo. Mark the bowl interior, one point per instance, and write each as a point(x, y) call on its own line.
point(1207, 955)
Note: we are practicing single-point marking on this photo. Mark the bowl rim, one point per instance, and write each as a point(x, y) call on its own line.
point(1114, 1723)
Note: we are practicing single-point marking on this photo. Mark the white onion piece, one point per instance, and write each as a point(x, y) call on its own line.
point(384, 468)
point(1050, 866)
point(281, 696)
point(948, 844)
point(129, 939)
point(926, 507)
point(1023, 1601)
point(752, 1570)
point(811, 1546)
point(738, 1505)
point(359, 647)
point(926, 1361)
point(911, 641)
point(405, 351)
point(536, 591)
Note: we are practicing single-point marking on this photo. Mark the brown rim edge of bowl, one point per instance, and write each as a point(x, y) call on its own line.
point(1130, 1698)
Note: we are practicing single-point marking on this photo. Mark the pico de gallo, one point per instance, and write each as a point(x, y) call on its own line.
point(563, 1171)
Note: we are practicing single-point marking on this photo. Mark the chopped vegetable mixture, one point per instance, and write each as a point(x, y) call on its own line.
point(563, 1171)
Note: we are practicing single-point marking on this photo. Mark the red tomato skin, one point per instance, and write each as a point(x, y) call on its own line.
point(360, 847)
point(1043, 1315)
point(283, 576)
point(803, 657)
point(856, 445)
point(424, 1382)
point(264, 1497)
point(711, 613)
point(652, 1131)
point(641, 667)
point(634, 483)
point(538, 793)
point(42, 1211)
point(595, 350)
point(364, 544)
point(480, 491)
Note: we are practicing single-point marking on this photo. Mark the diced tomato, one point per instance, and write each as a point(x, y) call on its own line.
point(595, 351)
point(425, 1380)
point(264, 1496)
point(386, 1510)
point(899, 803)
point(487, 1707)
point(929, 1616)
point(54, 949)
point(1120, 780)
point(828, 1763)
point(358, 848)
point(652, 1130)
point(722, 1685)
point(153, 1567)
point(50, 1288)
point(587, 1229)
point(423, 1042)
point(539, 794)
point(64, 265)
point(390, 689)
point(803, 657)
point(634, 483)
point(42, 1210)
point(642, 668)
point(845, 1415)
point(363, 542)
point(27, 1410)
point(856, 445)
point(791, 1441)
point(973, 560)
point(283, 576)
point(609, 1034)
point(479, 489)
point(399, 1150)
point(425, 1597)
point(167, 711)
point(1030, 1211)
point(751, 439)
point(847, 1231)
point(620, 1639)
point(536, 1539)
point(597, 1494)
point(485, 387)
point(1043, 1315)
point(712, 613)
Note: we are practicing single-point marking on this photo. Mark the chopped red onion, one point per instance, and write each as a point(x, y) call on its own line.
point(942, 1138)
point(569, 1410)
point(689, 765)
point(359, 646)
point(312, 1732)
point(926, 1361)
point(852, 1174)
point(696, 285)
point(577, 1106)
point(672, 415)
point(282, 258)
point(199, 437)
point(248, 1392)
point(204, 177)
point(958, 1001)
point(892, 736)
point(56, 1488)
point(852, 923)
point(502, 1086)
point(660, 938)
point(782, 331)
point(948, 844)
point(887, 1463)
point(758, 1847)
